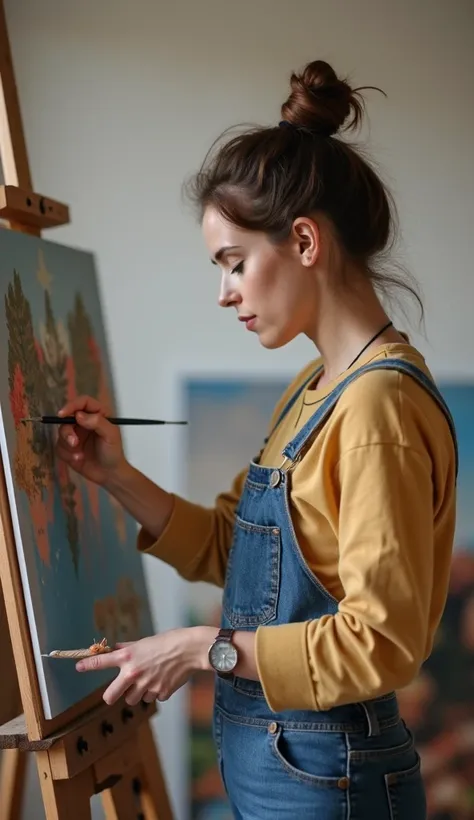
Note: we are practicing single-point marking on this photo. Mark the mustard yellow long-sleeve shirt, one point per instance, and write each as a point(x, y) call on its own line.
point(373, 508)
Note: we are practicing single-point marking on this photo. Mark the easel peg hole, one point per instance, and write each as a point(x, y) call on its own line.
point(127, 714)
point(136, 785)
point(107, 728)
point(82, 745)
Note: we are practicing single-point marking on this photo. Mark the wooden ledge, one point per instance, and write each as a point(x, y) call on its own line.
point(98, 724)
point(32, 210)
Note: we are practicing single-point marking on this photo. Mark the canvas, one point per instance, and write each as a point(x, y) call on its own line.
point(228, 419)
point(82, 576)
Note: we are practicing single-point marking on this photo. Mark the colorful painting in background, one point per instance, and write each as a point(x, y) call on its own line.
point(439, 705)
point(228, 421)
point(82, 576)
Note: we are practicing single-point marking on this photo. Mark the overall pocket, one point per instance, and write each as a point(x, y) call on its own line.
point(316, 759)
point(253, 575)
point(406, 793)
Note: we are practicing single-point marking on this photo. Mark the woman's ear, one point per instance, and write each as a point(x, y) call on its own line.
point(306, 235)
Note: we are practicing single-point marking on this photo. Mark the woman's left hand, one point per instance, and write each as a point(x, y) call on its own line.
point(153, 668)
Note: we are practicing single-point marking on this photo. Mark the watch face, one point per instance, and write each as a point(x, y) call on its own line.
point(223, 656)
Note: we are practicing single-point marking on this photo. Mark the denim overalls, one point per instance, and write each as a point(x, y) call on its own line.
point(354, 762)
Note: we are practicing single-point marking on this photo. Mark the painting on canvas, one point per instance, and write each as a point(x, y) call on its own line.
point(229, 419)
point(82, 576)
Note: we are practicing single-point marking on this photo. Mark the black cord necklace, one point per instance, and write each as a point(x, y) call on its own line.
point(309, 403)
point(379, 333)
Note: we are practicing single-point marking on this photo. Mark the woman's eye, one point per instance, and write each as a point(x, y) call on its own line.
point(238, 268)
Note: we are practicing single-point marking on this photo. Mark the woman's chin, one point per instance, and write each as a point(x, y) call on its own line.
point(272, 339)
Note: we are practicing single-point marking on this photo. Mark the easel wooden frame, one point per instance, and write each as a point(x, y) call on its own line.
point(91, 748)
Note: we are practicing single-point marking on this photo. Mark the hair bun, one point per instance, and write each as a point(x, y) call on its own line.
point(321, 102)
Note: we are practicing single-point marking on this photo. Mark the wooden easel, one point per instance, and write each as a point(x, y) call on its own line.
point(92, 748)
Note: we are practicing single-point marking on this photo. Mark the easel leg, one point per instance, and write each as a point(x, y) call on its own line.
point(12, 783)
point(122, 801)
point(65, 799)
point(141, 790)
point(155, 799)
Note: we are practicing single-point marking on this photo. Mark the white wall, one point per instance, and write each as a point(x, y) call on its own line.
point(121, 100)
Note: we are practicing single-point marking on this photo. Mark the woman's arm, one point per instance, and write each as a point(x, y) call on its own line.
point(394, 571)
point(148, 504)
point(193, 539)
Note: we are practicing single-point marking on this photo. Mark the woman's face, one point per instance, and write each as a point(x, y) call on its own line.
point(272, 287)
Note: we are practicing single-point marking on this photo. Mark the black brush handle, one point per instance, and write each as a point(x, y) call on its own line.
point(113, 420)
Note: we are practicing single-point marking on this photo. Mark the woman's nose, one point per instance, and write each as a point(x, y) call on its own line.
point(228, 294)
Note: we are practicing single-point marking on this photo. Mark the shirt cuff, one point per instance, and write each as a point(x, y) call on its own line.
point(283, 666)
point(188, 525)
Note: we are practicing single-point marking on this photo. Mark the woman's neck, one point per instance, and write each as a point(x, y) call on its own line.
point(347, 320)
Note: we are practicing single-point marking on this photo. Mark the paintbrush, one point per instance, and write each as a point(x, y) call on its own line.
point(113, 420)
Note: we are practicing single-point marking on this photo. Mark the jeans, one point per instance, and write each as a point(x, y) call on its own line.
point(277, 772)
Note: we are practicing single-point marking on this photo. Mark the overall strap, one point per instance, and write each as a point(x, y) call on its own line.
point(291, 402)
point(295, 446)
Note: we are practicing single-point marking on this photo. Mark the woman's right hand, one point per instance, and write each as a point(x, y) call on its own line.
point(93, 446)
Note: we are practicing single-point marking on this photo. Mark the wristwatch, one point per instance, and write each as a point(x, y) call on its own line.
point(223, 655)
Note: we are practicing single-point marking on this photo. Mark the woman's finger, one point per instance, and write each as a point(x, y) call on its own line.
point(150, 697)
point(97, 423)
point(72, 435)
point(135, 693)
point(125, 680)
point(85, 403)
point(68, 454)
point(117, 689)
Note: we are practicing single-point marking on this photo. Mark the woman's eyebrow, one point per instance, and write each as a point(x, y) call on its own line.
point(222, 252)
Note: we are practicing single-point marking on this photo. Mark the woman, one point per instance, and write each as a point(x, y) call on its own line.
point(333, 547)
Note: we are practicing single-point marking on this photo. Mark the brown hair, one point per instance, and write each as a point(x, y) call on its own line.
point(266, 177)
